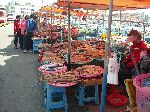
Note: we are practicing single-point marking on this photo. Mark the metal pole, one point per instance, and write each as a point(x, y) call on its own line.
point(46, 25)
point(107, 51)
point(51, 27)
point(86, 26)
point(143, 31)
point(69, 36)
point(144, 25)
point(39, 23)
point(97, 32)
point(120, 23)
point(104, 20)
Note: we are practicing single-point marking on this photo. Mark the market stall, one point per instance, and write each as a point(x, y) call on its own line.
point(81, 54)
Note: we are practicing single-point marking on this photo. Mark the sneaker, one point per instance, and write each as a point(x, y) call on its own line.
point(24, 51)
point(21, 48)
point(30, 51)
point(16, 47)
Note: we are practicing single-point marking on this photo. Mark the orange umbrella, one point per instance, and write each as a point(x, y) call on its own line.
point(104, 4)
point(61, 10)
point(124, 3)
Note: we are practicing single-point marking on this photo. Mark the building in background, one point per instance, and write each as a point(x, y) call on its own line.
point(3, 14)
point(15, 8)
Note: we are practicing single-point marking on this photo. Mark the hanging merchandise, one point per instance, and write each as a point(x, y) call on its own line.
point(84, 18)
point(113, 69)
point(64, 13)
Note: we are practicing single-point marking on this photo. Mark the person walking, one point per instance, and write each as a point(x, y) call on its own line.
point(17, 31)
point(23, 28)
point(30, 28)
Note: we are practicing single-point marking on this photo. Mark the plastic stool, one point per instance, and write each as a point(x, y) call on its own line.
point(35, 45)
point(55, 98)
point(84, 94)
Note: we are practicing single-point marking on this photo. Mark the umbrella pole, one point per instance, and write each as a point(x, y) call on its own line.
point(144, 31)
point(86, 26)
point(107, 51)
point(104, 20)
point(51, 28)
point(69, 36)
point(39, 24)
point(97, 32)
point(46, 26)
point(120, 23)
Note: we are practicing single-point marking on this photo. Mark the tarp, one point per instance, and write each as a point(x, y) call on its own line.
point(104, 4)
point(50, 9)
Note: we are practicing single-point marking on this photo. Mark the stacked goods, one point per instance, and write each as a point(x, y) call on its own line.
point(61, 79)
point(91, 81)
point(88, 71)
point(81, 52)
point(52, 68)
point(52, 57)
point(79, 59)
point(94, 53)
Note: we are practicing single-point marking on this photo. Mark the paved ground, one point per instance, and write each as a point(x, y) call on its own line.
point(18, 76)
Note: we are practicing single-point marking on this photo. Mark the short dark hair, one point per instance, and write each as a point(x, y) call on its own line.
point(139, 37)
point(18, 16)
point(32, 15)
point(26, 17)
point(148, 51)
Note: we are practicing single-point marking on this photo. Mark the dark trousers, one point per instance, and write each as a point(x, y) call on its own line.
point(18, 37)
point(21, 42)
point(28, 42)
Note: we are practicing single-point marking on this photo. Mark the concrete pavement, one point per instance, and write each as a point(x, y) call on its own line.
point(18, 77)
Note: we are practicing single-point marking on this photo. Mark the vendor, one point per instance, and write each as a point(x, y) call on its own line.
point(144, 65)
point(136, 48)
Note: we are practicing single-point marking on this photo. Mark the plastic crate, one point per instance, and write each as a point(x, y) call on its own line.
point(142, 93)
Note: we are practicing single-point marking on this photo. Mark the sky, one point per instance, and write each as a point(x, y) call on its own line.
point(36, 2)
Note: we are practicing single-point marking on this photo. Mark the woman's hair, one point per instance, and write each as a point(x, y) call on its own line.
point(139, 37)
point(148, 52)
point(26, 17)
point(135, 33)
point(18, 16)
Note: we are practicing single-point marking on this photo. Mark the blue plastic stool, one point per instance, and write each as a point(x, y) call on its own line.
point(35, 45)
point(87, 94)
point(55, 98)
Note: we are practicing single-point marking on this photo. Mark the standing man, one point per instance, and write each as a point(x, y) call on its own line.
point(30, 28)
point(17, 31)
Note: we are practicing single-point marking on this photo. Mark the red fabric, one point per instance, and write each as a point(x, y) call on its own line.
point(17, 25)
point(136, 53)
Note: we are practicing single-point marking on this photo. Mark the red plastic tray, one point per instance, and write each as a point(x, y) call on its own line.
point(117, 99)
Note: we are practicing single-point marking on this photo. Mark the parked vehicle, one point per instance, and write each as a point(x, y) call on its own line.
point(3, 15)
point(10, 17)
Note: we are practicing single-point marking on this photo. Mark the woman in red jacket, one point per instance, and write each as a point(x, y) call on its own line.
point(137, 47)
point(17, 30)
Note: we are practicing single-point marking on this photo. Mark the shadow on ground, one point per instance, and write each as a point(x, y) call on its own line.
point(10, 35)
point(19, 91)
